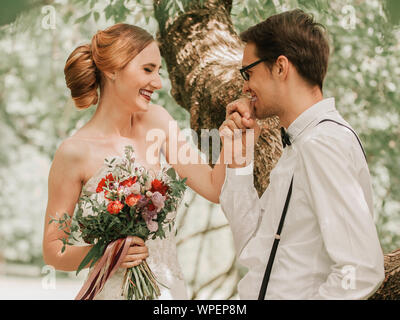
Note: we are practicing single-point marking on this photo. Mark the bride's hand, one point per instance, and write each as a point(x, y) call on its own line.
point(235, 135)
point(137, 252)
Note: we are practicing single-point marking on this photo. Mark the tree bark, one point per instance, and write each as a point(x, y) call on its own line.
point(203, 65)
point(390, 288)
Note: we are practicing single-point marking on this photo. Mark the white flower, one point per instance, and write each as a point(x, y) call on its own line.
point(149, 194)
point(147, 185)
point(127, 191)
point(151, 175)
point(135, 189)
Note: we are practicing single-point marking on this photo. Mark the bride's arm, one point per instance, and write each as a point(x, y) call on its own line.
point(201, 178)
point(64, 187)
point(186, 160)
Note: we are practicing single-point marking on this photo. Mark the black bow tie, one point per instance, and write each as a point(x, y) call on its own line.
point(285, 138)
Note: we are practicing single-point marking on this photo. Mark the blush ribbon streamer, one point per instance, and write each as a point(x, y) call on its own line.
point(105, 268)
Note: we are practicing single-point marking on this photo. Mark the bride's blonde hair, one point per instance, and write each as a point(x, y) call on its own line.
point(109, 50)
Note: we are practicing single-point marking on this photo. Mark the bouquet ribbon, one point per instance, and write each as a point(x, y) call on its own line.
point(105, 268)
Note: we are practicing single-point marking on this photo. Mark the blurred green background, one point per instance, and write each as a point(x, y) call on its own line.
point(37, 113)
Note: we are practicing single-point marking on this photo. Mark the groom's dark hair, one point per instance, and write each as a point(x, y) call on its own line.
point(298, 37)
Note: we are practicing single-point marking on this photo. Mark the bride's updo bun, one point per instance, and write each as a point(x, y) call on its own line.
point(110, 50)
point(81, 77)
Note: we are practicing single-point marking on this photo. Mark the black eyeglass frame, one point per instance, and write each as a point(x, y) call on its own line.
point(243, 72)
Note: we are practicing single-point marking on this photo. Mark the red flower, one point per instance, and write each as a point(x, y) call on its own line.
point(103, 183)
point(151, 207)
point(114, 207)
point(128, 182)
point(132, 199)
point(157, 185)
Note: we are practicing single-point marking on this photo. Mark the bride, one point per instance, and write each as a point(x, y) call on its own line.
point(123, 62)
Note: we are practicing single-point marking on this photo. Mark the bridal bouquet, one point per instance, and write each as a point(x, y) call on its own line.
point(129, 201)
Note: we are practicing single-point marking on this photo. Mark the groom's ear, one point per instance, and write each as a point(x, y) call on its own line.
point(282, 67)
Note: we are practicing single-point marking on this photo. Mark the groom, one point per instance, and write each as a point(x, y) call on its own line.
point(327, 246)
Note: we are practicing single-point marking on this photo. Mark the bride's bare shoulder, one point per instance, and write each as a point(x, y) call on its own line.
point(68, 163)
point(158, 116)
point(71, 151)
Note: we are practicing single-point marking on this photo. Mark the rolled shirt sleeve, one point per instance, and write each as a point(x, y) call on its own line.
point(346, 222)
point(240, 204)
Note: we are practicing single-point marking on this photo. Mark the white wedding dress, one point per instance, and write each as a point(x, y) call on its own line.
point(162, 260)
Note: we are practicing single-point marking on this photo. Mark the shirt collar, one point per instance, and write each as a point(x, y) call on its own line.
point(308, 116)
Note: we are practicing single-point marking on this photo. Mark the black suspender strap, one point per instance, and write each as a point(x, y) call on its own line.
point(268, 269)
point(341, 124)
point(267, 273)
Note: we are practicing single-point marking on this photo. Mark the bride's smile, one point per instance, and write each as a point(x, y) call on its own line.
point(146, 94)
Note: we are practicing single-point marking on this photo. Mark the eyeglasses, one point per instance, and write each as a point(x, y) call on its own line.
point(244, 72)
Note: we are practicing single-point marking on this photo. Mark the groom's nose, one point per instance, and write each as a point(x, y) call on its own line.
point(245, 88)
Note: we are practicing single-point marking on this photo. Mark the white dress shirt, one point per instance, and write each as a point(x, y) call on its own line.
point(329, 247)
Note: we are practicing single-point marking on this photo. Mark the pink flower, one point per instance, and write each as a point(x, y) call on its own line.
point(158, 200)
point(152, 225)
point(143, 202)
point(148, 216)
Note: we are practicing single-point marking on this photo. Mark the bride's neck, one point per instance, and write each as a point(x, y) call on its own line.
point(113, 119)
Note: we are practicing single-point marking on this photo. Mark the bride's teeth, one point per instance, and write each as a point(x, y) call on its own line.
point(253, 98)
point(144, 92)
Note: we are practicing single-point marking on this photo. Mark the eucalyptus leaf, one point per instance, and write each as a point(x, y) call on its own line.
point(171, 173)
point(90, 255)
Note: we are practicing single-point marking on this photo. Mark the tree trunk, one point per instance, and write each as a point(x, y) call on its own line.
point(390, 288)
point(203, 65)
